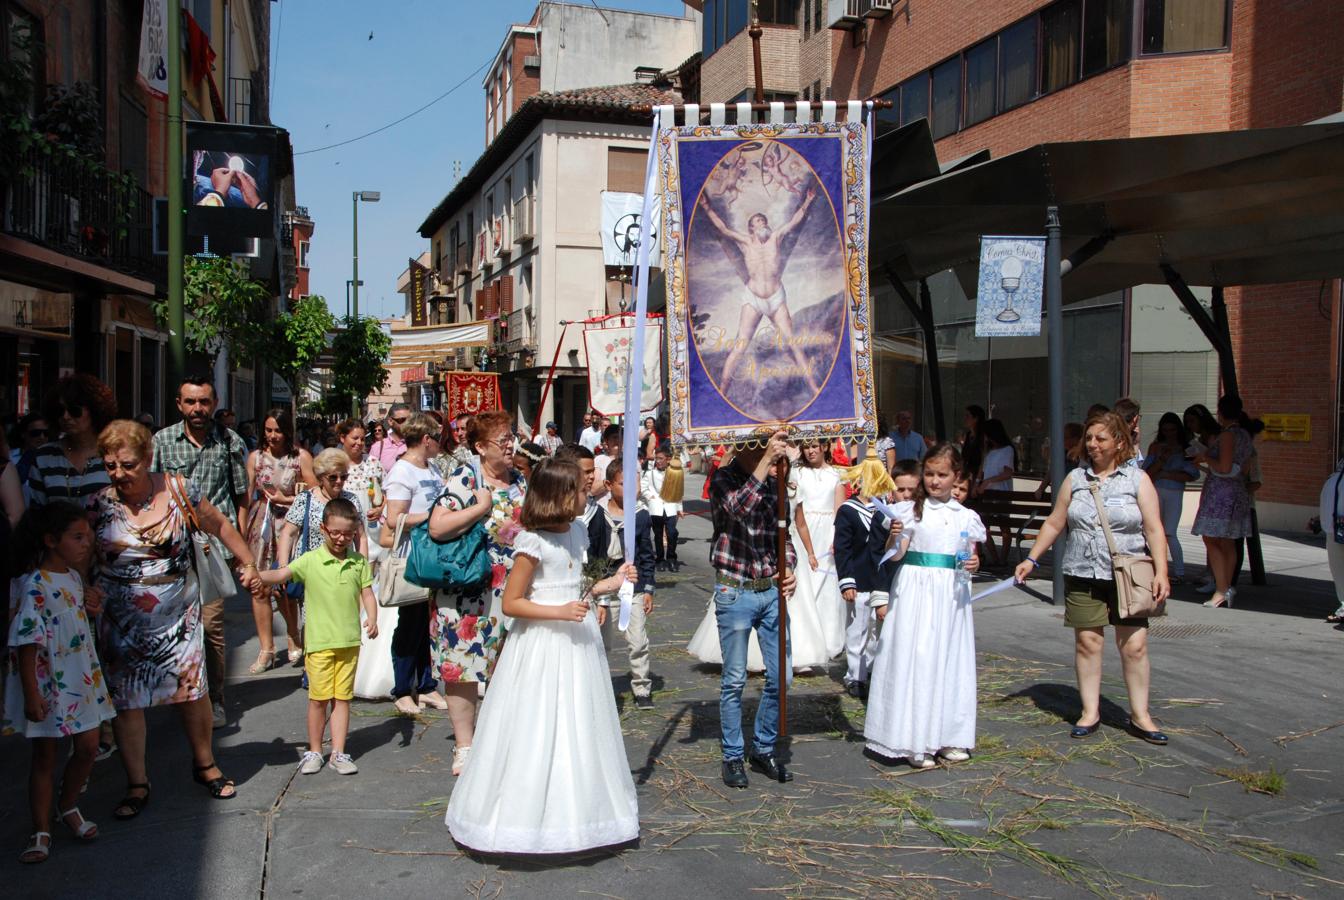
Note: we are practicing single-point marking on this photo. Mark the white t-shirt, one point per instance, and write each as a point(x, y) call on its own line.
point(590, 438)
point(409, 482)
point(996, 461)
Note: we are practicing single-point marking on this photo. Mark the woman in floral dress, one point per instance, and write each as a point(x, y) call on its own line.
point(467, 627)
point(276, 471)
point(1224, 516)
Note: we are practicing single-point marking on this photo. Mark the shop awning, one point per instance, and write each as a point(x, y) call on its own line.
point(1257, 206)
point(443, 337)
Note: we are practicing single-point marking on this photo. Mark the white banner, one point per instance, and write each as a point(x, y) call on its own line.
point(153, 67)
point(620, 228)
point(1008, 297)
point(609, 351)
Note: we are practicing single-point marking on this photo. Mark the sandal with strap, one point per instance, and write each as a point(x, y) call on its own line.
point(265, 662)
point(38, 849)
point(460, 756)
point(216, 786)
point(85, 830)
point(133, 803)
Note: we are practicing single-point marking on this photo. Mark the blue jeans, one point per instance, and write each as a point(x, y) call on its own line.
point(737, 612)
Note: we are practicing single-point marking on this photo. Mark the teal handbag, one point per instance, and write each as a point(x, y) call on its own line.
point(462, 563)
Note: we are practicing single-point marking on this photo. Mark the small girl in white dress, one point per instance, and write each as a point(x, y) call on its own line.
point(548, 771)
point(921, 701)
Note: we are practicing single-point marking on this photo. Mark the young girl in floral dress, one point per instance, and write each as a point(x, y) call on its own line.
point(55, 687)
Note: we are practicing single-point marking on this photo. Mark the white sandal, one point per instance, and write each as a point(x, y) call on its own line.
point(460, 759)
point(85, 830)
point(38, 849)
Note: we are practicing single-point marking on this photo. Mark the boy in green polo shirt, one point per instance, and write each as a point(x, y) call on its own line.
point(336, 581)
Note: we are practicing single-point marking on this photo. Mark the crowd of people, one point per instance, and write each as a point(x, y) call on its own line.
point(113, 577)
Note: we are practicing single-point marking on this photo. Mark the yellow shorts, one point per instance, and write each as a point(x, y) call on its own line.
point(331, 673)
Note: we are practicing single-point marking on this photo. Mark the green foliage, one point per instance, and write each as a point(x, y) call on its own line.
point(298, 337)
point(361, 348)
point(225, 309)
point(73, 117)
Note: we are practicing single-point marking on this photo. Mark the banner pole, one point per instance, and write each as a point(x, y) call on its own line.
point(781, 557)
point(550, 376)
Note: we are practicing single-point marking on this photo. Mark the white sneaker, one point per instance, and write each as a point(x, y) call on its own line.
point(954, 754)
point(342, 764)
point(219, 718)
point(312, 763)
point(920, 761)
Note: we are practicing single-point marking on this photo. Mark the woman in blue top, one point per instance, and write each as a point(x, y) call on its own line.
point(1170, 469)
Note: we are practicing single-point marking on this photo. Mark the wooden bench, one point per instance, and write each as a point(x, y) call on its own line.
point(1021, 511)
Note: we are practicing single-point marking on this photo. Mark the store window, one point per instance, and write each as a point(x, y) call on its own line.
point(915, 99)
point(982, 65)
point(946, 117)
point(1061, 29)
point(1017, 65)
point(1183, 26)
point(1105, 35)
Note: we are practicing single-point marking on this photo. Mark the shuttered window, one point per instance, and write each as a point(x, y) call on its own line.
point(625, 169)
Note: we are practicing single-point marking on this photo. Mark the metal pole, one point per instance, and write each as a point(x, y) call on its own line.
point(1054, 318)
point(354, 285)
point(177, 316)
point(781, 557)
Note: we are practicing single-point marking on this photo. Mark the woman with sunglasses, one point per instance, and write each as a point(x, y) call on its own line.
point(332, 468)
point(70, 467)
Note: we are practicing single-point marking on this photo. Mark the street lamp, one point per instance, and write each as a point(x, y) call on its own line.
point(367, 197)
point(348, 282)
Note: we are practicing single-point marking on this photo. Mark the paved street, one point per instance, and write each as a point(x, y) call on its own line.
point(1246, 801)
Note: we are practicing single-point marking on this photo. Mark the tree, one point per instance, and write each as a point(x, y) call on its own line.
point(298, 337)
point(225, 309)
point(361, 348)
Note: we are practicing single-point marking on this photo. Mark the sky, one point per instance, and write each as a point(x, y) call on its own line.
point(340, 68)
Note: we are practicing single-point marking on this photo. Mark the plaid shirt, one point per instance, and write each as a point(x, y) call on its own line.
point(218, 467)
point(745, 526)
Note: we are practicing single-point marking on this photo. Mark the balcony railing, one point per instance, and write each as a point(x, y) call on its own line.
point(524, 228)
point(79, 208)
point(240, 100)
point(463, 258)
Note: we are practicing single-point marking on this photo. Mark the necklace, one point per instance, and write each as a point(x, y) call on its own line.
point(139, 506)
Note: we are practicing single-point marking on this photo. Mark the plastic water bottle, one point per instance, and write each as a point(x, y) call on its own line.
point(963, 556)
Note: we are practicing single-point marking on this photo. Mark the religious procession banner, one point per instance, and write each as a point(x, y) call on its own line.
point(609, 351)
point(1010, 286)
point(470, 393)
point(765, 232)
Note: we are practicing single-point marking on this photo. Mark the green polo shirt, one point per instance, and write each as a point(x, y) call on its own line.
point(331, 589)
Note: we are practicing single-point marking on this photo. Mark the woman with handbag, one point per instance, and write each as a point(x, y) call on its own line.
point(411, 487)
point(467, 625)
point(1111, 510)
point(152, 646)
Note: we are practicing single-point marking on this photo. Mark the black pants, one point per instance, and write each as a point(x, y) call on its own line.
point(664, 525)
point(412, 672)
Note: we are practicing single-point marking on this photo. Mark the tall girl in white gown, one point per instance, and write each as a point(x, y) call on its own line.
point(548, 772)
point(921, 701)
point(816, 609)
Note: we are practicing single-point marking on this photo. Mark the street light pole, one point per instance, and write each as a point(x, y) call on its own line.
point(356, 197)
point(177, 318)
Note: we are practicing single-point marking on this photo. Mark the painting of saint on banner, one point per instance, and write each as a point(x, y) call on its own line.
point(767, 280)
point(609, 352)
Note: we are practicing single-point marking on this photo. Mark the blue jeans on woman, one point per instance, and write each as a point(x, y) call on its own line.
point(737, 612)
point(412, 671)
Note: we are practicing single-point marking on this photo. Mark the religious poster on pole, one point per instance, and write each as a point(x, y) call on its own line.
point(470, 393)
point(609, 352)
point(765, 230)
point(1008, 293)
point(621, 227)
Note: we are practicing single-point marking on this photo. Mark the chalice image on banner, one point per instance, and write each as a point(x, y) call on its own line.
point(1010, 279)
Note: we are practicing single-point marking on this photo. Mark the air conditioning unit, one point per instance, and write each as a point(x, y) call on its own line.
point(532, 62)
point(877, 9)
point(845, 15)
point(524, 228)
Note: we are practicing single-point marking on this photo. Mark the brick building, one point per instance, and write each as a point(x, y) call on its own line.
point(1008, 75)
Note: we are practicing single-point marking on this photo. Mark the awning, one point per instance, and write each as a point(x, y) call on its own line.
point(442, 337)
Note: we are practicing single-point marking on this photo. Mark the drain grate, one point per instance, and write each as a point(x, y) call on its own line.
point(1165, 629)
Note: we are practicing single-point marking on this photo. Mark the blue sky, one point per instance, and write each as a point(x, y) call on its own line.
point(331, 82)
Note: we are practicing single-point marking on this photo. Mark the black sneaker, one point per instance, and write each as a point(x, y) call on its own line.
point(643, 701)
point(769, 765)
point(854, 689)
point(659, 565)
point(734, 775)
point(674, 564)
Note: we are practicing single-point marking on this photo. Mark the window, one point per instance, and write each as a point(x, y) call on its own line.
point(711, 35)
point(1181, 26)
point(778, 12)
point(1061, 29)
point(915, 98)
point(200, 11)
point(1017, 65)
point(303, 254)
point(721, 20)
point(816, 14)
point(982, 65)
point(887, 119)
point(1105, 35)
point(23, 44)
point(529, 166)
point(816, 89)
point(807, 19)
point(946, 117)
point(625, 169)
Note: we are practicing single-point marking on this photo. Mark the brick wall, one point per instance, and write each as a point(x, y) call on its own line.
point(525, 82)
point(1289, 67)
point(729, 70)
point(1180, 94)
point(814, 58)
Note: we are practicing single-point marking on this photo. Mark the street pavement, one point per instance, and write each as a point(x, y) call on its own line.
point(1245, 801)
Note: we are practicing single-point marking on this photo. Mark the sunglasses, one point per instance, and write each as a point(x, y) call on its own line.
point(37, 432)
point(401, 421)
point(336, 477)
point(74, 410)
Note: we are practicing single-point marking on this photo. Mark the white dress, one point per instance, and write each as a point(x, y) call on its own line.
point(816, 610)
point(548, 771)
point(922, 688)
point(373, 673)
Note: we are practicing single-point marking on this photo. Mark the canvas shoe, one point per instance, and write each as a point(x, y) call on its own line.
point(311, 764)
point(342, 764)
point(954, 754)
point(920, 761)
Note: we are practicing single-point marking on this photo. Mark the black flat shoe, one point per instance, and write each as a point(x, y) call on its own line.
point(1082, 731)
point(770, 766)
point(216, 786)
point(132, 804)
point(1152, 737)
point(734, 775)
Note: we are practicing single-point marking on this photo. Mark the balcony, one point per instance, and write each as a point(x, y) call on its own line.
point(524, 226)
point(78, 208)
point(462, 259)
point(848, 15)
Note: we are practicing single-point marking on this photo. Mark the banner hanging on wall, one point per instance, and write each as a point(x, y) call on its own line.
point(620, 228)
point(1008, 294)
point(766, 244)
point(470, 393)
point(608, 353)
